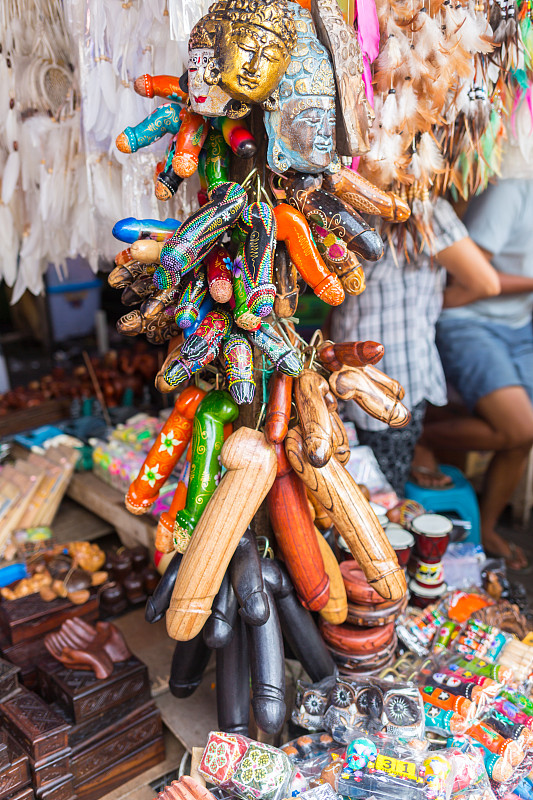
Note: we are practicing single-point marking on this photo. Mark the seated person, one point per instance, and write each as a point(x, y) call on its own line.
point(486, 349)
point(399, 309)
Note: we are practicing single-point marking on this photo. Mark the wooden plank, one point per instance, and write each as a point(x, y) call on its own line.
point(191, 718)
point(76, 523)
point(108, 503)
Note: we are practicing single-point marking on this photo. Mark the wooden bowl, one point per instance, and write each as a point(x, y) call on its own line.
point(352, 640)
point(372, 616)
point(358, 589)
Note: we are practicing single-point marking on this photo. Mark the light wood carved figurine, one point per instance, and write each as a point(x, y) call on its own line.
point(355, 521)
point(251, 468)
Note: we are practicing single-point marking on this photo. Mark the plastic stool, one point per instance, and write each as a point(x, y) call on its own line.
point(459, 498)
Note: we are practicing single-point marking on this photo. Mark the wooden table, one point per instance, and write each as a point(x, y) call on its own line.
point(107, 503)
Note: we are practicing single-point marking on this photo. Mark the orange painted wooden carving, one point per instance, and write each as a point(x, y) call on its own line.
point(292, 228)
point(165, 453)
point(295, 534)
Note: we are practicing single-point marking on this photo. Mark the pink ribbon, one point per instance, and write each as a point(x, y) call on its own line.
point(366, 18)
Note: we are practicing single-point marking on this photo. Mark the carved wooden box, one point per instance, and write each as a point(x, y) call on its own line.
point(8, 679)
point(50, 770)
point(30, 617)
point(64, 790)
point(25, 794)
point(15, 775)
point(26, 656)
point(83, 697)
point(33, 724)
point(82, 732)
point(117, 741)
point(121, 771)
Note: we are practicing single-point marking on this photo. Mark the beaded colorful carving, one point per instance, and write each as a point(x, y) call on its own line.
point(254, 263)
point(222, 753)
point(282, 355)
point(192, 297)
point(238, 365)
point(195, 238)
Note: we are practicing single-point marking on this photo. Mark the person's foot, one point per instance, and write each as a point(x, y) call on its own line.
point(425, 469)
point(496, 547)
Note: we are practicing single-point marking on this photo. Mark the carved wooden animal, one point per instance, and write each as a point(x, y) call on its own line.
point(355, 521)
point(251, 468)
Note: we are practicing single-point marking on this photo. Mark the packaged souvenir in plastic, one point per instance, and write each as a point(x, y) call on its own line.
point(311, 702)
point(471, 781)
point(377, 766)
point(374, 705)
point(251, 770)
point(263, 773)
point(310, 754)
point(512, 712)
point(221, 755)
point(307, 747)
point(418, 629)
point(444, 722)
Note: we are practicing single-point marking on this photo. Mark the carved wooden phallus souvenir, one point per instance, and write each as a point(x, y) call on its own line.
point(165, 453)
point(251, 468)
point(365, 197)
point(354, 114)
point(216, 410)
point(351, 354)
point(373, 391)
point(293, 526)
point(310, 390)
point(247, 581)
point(336, 609)
point(278, 410)
point(339, 494)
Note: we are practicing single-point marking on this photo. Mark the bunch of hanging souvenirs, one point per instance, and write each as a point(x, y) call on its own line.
point(221, 287)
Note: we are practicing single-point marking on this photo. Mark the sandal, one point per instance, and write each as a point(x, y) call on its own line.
point(434, 474)
point(516, 554)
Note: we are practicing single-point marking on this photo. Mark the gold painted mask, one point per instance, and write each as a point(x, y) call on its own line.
point(252, 48)
point(210, 100)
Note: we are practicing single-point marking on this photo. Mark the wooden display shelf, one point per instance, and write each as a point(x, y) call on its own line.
point(108, 504)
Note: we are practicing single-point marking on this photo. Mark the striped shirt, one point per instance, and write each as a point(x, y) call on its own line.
point(399, 308)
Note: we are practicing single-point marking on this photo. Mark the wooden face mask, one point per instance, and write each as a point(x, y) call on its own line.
point(301, 128)
point(208, 99)
point(252, 47)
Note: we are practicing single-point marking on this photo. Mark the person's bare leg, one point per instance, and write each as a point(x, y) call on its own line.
point(425, 468)
point(509, 413)
point(464, 433)
point(501, 479)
